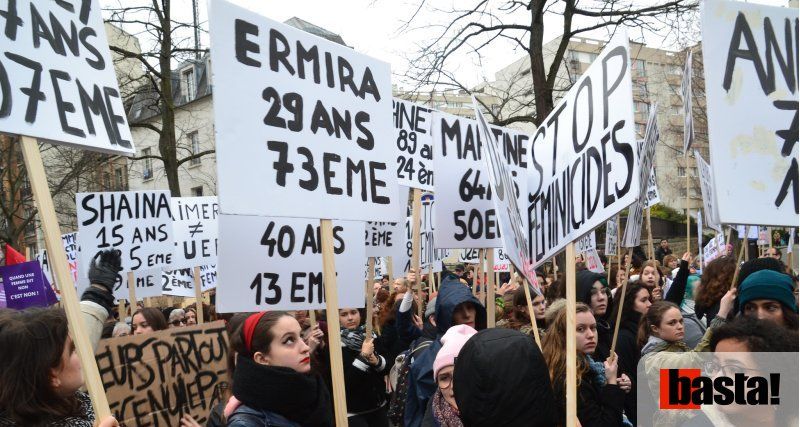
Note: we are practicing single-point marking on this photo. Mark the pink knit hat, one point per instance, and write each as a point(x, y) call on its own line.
point(452, 341)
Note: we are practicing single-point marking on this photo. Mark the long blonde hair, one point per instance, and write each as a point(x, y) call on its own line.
point(554, 346)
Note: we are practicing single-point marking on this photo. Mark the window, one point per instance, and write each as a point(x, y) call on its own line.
point(147, 172)
point(197, 191)
point(683, 191)
point(641, 107)
point(638, 68)
point(106, 181)
point(187, 84)
point(194, 142)
point(641, 128)
point(119, 179)
point(681, 171)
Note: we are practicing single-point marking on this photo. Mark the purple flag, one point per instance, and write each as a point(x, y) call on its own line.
point(25, 286)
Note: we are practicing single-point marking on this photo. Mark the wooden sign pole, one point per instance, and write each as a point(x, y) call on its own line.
point(312, 318)
point(120, 310)
point(61, 274)
point(621, 302)
point(739, 259)
point(688, 215)
point(529, 301)
point(619, 250)
point(651, 251)
point(131, 293)
point(332, 316)
point(198, 295)
point(769, 236)
point(477, 281)
point(390, 267)
point(416, 210)
point(490, 305)
point(368, 291)
point(572, 352)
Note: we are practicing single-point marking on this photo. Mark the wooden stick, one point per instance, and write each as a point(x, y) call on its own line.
point(170, 301)
point(651, 252)
point(369, 294)
point(621, 303)
point(477, 282)
point(390, 267)
point(61, 274)
point(769, 236)
point(198, 295)
point(529, 301)
point(739, 258)
point(332, 316)
point(490, 305)
point(430, 280)
point(728, 237)
point(416, 210)
point(555, 269)
point(572, 352)
point(120, 310)
point(131, 293)
point(312, 318)
point(619, 249)
point(688, 215)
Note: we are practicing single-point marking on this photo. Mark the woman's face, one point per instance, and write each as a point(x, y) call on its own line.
point(620, 277)
point(765, 309)
point(671, 327)
point(642, 301)
point(539, 306)
point(444, 380)
point(349, 318)
point(191, 318)
point(649, 276)
point(673, 264)
point(68, 377)
point(464, 314)
point(585, 332)
point(599, 300)
point(287, 348)
point(140, 325)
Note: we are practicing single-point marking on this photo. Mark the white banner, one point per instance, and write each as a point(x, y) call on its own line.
point(751, 92)
point(686, 94)
point(707, 190)
point(276, 264)
point(195, 231)
point(611, 237)
point(573, 186)
point(412, 124)
point(303, 124)
point(647, 150)
point(57, 76)
point(513, 231)
point(465, 212)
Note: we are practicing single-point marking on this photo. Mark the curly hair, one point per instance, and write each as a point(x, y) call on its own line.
point(716, 279)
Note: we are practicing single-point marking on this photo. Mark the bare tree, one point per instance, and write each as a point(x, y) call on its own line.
point(167, 42)
point(470, 30)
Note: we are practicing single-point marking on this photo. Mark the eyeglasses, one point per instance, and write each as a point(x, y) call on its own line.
point(444, 381)
point(178, 322)
point(712, 368)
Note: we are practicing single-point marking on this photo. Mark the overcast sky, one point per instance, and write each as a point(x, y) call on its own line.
point(376, 28)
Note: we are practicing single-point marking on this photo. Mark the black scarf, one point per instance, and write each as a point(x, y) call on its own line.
point(301, 398)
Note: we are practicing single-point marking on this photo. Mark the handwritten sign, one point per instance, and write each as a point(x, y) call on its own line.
point(647, 150)
point(148, 284)
point(387, 238)
point(707, 190)
point(412, 124)
point(686, 94)
point(611, 237)
point(155, 379)
point(70, 242)
point(586, 243)
point(653, 198)
point(302, 122)
point(195, 230)
point(751, 92)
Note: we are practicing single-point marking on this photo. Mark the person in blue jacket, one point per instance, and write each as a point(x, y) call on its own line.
point(455, 305)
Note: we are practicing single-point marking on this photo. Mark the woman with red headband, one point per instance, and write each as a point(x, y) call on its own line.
point(272, 377)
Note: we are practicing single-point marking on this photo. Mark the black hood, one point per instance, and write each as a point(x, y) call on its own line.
point(584, 280)
point(452, 293)
point(501, 379)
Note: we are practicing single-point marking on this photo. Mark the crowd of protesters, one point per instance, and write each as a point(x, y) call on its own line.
point(429, 359)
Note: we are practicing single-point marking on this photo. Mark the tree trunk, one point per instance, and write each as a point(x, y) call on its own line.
point(167, 145)
point(542, 94)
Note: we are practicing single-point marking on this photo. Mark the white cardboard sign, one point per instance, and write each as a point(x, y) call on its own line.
point(593, 262)
point(647, 149)
point(303, 123)
point(57, 76)
point(752, 111)
point(195, 230)
point(707, 190)
point(70, 242)
point(465, 212)
point(586, 243)
point(428, 249)
point(388, 238)
point(148, 284)
point(653, 198)
point(612, 234)
point(276, 264)
point(584, 166)
point(412, 124)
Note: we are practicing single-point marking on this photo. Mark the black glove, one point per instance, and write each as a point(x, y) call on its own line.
point(105, 268)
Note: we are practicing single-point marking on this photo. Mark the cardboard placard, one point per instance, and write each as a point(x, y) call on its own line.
point(751, 94)
point(465, 212)
point(154, 379)
point(195, 230)
point(611, 237)
point(647, 151)
point(414, 144)
point(595, 131)
point(300, 120)
point(707, 190)
point(276, 264)
point(57, 77)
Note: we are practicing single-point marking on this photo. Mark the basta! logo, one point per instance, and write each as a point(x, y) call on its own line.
point(688, 389)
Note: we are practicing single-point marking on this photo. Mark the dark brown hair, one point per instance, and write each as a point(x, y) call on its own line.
point(154, 317)
point(262, 335)
point(32, 343)
point(653, 318)
point(717, 277)
point(627, 302)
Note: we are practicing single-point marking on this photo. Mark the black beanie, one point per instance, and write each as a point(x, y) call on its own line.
point(759, 264)
point(501, 379)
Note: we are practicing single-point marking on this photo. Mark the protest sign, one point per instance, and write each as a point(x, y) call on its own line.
point(611, 238)
point(583, 166)
point(155, 379)
point(319, 142)
point(465, 212)
point(428, 253)
point(633, 227)
point(686, 94)
point(208, 277)
point(714, 249)
point(502, 263)
point(699, 223)
point(763, 236)
point(276, 264)
point(586, 243)
point(592, 261)
point(388, 238)
point(653, 198)
point(751, 92)
point(412, 124)
point(514, 236)
point(57, 77)
point(468, 256)
point(179, 283)
point(195, 230)
point(148, 284)
point(752, 232)
point(70, 241)
point(707, 190)
point(25, 286)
